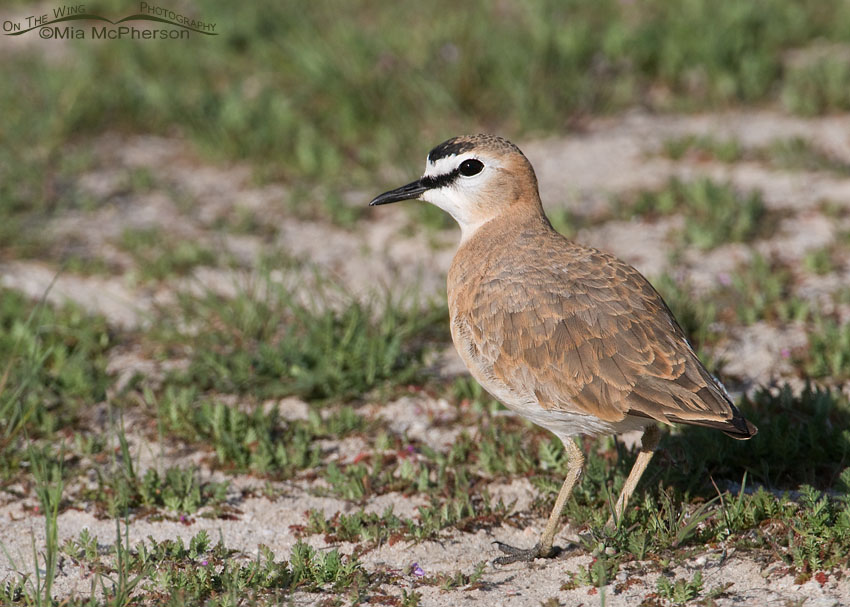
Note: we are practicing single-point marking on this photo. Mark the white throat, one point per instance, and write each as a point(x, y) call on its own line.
point(457, 198)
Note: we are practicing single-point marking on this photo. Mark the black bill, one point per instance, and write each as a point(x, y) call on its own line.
point(405, 192)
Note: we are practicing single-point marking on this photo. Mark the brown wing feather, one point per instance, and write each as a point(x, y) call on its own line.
point(596, 338)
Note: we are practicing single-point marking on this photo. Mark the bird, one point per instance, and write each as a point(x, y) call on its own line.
point(567, 336)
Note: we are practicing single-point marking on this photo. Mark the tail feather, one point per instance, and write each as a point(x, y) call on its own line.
point(737, 427)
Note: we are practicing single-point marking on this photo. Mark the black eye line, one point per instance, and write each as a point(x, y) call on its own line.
point(440, 181)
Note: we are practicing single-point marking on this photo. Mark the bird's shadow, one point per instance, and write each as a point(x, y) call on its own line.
point(803, 439)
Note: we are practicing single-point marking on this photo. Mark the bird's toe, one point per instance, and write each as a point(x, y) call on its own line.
point(526, 555)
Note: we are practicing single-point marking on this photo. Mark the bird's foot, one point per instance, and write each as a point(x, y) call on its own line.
point(525, 555)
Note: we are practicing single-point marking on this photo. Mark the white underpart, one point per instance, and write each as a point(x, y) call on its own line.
point(561, 423)
point(458, 198)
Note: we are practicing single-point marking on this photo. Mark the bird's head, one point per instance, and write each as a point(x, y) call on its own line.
point(474, 178)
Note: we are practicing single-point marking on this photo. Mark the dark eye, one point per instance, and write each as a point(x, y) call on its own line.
point(470, 167)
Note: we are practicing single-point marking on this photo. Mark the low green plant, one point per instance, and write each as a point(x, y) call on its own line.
point(340, 211)
point(118, 586)
point(158, 255)
point(715, 213)
point(267, 342)
point(178, 490)
point(819, 261)
point(456, 580)
point(202, 572)
point(360, 526)
point(762, 289)
point(664, 521)
point(52, 363)
point(600, 572)
point(257, 439)
point(83, 548)
point(499, 450)
point(817, 87)
point(681, 590)
point(241, 219)
point(828, 354)
point(312, 570)
point(410, 599)
point(704, 147)
point(799, 154)
point(464, 512)
point(791, 153)
point(744, 511)
point(819, 539)
point(670, 521)
point(47, 471)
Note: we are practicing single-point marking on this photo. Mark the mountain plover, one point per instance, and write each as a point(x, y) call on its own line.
point(569, 337)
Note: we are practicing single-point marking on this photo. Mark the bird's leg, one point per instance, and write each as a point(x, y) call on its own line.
point(648, 442)
point(543, 548)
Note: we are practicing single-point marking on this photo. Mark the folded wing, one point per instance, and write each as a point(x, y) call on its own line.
point(598, 339)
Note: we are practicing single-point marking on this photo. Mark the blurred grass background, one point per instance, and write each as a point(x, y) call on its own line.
point(337, 96)
point(332, 92)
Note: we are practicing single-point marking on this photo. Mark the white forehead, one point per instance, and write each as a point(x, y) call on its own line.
point(446, 164)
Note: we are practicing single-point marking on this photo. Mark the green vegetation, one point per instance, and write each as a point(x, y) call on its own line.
point(202, 572)
point(808, 536)
point(797, 154)
point(330, 91)
point(270, 343)
point(458, 579)
point(803, 445)
point(255, 440)
point(792, 153)
point(467, 391)
point(243, 220)
point(158, 255)
point(703, 147)
point(338, 68)
point(600, 572)
point(681, 590)
point(714, 213)
point(52, 365)
point(762, 290)
point(371, 530)
point(497, 451)
point(178, 490)
point(820, 261)
point(48, 475)
point(829, 350)
point(758, 290)
point(818, 86)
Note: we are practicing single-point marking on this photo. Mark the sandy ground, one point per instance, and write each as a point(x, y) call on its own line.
point(579, 172)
